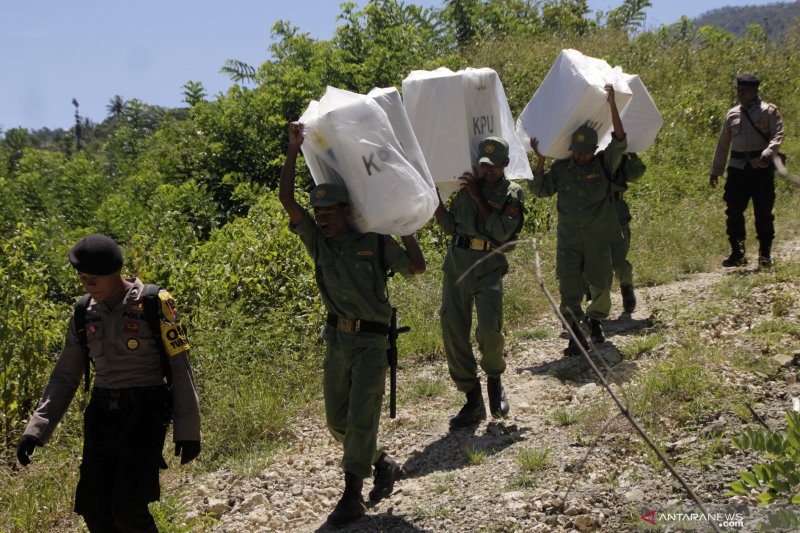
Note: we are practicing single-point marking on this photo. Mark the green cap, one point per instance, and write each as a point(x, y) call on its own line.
point(493, 151)
point(327, 194)
point(584, 140)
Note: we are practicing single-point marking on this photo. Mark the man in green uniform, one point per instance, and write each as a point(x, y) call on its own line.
point(486, 213)
point(126, 420)
point(753, 132)
point(587, 222)
point(351, 270)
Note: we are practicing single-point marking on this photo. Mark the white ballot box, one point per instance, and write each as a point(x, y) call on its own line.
point(349, 140)
point(451, 113)
point(571, 95)
point(641, 118)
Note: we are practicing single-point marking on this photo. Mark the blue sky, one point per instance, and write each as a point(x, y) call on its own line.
point(54, 51)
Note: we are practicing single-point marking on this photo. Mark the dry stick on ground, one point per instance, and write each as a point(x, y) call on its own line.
point(622, 408)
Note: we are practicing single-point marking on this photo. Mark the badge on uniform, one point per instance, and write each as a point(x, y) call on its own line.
point(173, 310)
point(132, 327)
point(137, 307)
point(367, 253)
point(132, 343)
point(591, 177)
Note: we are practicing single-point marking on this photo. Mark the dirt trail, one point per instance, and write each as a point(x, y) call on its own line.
point(445, 491)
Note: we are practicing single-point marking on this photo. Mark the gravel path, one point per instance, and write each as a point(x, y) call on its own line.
point(473, 479)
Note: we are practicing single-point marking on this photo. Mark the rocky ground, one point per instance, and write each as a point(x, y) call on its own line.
point(562, 460)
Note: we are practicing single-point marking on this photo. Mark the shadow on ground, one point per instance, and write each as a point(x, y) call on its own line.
point(448, 452)
point(377, 522)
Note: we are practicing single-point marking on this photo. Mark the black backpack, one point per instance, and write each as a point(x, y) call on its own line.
point(631, 168)
point(152, 312)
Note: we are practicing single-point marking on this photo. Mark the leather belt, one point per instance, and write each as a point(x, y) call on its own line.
point(349, 325)
point(472, 244)
point(113, 399)
point(746, 155)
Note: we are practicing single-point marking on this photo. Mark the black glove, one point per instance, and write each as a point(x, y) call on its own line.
point(187, 449)
point(25, 448)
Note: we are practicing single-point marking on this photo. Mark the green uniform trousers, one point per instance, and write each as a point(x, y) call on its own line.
point(584, 259)
point(354, 378)
point(486, 291)
point(623, 269)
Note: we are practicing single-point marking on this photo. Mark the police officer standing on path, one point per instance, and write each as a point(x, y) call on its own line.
point(126, 420)
point(486, 213)
point(351, 270)
point(587, 222)
point(753, 131)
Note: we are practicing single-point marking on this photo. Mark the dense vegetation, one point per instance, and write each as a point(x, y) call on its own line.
point(190, 195)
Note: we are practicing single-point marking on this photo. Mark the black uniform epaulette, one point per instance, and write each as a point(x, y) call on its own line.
point(152, 313)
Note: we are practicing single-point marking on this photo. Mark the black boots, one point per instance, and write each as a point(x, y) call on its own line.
point(765, 254)
point(596, 331)
point(386, 473)
point(498, 403)
point(572, 348)
point(472, 412)
point(628, 298)
point(351, 504)
point(737, 257)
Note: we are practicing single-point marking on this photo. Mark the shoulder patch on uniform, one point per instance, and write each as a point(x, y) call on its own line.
point(512, 211)
point(173, 333)
point(168, 308)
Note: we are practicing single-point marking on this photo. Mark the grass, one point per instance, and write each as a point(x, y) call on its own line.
point(535, 333)
point(524, 481)
point(40, 497)
point(428, 388)
point(475, 455)
point(169, 514)
point(565, 417)
point(533, 459)
point(639, 345)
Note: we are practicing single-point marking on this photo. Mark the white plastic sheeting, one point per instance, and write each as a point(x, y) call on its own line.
point(351, 140)
point(571, 95)
point(641, 118)
point(451, 113)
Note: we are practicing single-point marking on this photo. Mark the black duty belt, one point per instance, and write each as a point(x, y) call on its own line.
point(113, 399)
point(746, 155)
point(349, 325)
point(472, 244)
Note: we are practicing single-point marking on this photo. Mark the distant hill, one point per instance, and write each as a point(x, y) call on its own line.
point(779, 17)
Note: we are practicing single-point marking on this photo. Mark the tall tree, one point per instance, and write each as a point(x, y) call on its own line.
point(193, 93)
point(115, 106)
point(78, 127)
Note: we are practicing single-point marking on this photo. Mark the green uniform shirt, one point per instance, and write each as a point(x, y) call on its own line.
point(502, 225)
point(583, 193)
point(350, 272)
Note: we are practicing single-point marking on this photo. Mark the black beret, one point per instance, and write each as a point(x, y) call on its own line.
point(746, 79)
point(97, 255)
